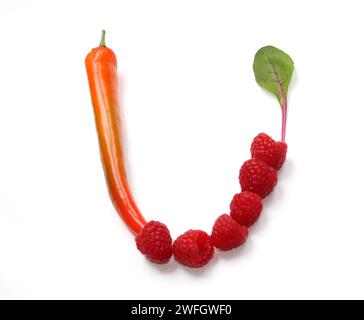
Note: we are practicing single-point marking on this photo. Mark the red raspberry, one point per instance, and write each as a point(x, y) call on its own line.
point(266, 149)
point(227, 233)
point(245, 208)
point(193, 248)
point(257, 176)
point(155, 242)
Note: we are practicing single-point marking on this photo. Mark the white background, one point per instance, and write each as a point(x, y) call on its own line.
point(191, 108)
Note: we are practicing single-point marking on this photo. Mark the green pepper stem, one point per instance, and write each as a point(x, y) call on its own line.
point(102, 42)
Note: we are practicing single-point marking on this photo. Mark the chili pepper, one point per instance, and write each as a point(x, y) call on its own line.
point(101, 67)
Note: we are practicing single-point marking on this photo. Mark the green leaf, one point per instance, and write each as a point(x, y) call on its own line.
point(273, 70)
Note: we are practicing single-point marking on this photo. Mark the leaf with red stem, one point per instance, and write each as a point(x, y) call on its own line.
point(273, 70)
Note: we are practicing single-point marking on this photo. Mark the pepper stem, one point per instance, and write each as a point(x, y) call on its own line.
point(102, 42)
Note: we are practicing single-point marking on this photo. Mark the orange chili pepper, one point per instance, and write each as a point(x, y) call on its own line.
point(101, 67)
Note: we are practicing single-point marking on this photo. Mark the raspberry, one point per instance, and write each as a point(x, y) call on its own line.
point(155, 242)
point(266, 149)
point(245, 208)
point(227, 233)
point(257, 176)
point(193, 248)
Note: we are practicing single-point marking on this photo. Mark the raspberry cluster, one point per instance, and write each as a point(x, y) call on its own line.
point(195, 248)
